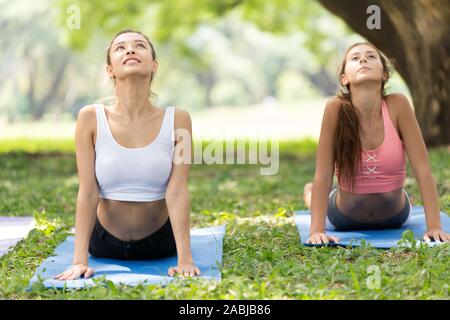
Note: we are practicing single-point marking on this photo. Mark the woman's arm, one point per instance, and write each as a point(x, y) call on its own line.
point(177, 195)
point(323, 177)
point(88, 194)
point(417, 154)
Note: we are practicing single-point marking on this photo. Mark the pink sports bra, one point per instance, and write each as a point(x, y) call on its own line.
point(382, 169)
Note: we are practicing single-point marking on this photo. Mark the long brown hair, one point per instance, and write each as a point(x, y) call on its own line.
point(108, 59)
point(347, 144)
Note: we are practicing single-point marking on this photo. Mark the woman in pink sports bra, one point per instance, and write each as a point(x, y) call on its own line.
point(363, 140)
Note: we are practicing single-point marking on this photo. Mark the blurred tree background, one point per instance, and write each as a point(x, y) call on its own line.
point(211, 53)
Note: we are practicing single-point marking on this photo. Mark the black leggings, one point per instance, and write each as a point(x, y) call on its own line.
point(159, 244)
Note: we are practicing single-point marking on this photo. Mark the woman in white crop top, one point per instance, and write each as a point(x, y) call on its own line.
point(133, 200)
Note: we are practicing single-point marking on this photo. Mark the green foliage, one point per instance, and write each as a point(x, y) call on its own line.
point(177, 19)
point(27, 146)
point(262, 257)
point(230, 92)
point(293, 86)
point(174, 21)
point(223, 52)
point(109, 15)
point(408, 239)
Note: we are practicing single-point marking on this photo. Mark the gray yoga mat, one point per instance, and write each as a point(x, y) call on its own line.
point(12, 230)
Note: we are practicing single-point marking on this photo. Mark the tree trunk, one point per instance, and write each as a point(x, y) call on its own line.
point(38, 109)
point(324, 81)
point(207, 80)
point(415, 35)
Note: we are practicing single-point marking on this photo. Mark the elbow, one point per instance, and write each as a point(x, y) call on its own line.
point(92, 197)
point(176, 198)
point(175, 195)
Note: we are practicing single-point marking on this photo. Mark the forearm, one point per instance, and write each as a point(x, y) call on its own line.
point(86, 213)
point(179, 214)
point(319, 204)
point(430, 199)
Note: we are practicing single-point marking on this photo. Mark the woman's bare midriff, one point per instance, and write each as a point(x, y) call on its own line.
point(132, 221)
point(372, 207)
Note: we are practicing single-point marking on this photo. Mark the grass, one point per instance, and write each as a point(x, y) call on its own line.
point(262, 257)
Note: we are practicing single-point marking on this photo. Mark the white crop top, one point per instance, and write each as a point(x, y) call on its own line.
point(133, 174)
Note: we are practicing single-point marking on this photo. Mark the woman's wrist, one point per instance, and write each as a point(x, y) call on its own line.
point(434, 227)
point(184, 252)
point(186, 261)
point(83, 261)
point(185, 258)
point(315, 229)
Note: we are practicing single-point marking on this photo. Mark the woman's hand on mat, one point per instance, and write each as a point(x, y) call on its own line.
point(185, 269)
point(321, 238)
point(75, 271)
point(436, 235)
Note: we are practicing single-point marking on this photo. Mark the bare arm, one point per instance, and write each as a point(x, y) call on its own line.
point(88, 194)
point(323, 177)
point(177, 194)
point(417, 154)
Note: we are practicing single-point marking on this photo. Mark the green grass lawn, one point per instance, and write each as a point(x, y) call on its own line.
point(262, 258)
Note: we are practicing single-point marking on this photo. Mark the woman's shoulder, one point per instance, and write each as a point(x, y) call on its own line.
point(334, 102)
point(398, 104)
point(182, 118)
point(86, 124)
point(396, 101)
point(333, 106)
point(395, 96)
point(87, 115)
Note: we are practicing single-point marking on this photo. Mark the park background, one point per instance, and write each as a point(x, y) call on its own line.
point(242, 69)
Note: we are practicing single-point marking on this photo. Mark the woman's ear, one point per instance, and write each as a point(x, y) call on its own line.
point(344, 79)
point(154, 66)
point(109, 70)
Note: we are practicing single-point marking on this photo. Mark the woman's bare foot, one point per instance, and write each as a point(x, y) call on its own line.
point(307, 191)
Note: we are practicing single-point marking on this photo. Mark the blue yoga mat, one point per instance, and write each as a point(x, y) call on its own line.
point(384, 239)
point(12, 230)
point(206, 245)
